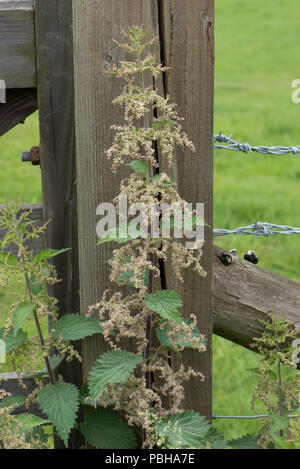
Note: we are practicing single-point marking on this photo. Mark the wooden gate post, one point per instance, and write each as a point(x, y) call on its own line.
point(55, 87)
point(187, 35)
point(186, 40)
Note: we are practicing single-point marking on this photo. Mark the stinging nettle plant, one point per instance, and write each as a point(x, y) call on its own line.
point(140, 381)
point(34, 357)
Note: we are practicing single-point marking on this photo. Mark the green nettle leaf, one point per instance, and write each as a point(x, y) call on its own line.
point(113, 367)
point(21, 313)
point(165, 340)
point(60, 402)
point(29, 421)
point(253, 370)
point(13, 401)
point(8, 258)
point(114, 235)
point(182, 431)
point(157, 178)
point(279, 422)
point(128, 274)
point(104, 430)
point(139, 166)
point(48, 254)
point(246, 442)
point(215, 439)
point(76, 327)
point(165, 303)
point(35, 285)
point(13, 341)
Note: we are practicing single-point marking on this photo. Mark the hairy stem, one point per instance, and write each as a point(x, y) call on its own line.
point(35, 315)
point(280, 397)
point(151, 258)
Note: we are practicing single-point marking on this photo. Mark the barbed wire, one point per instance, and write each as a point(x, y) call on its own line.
point(250, 417)
point(259, 229)
point(248, 148)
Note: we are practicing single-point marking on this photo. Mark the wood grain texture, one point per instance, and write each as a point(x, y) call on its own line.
point(16, 4)
point(244, 294)
point(57, 150)
point(20, 103)
point(187, 34)
point(95, 25)
point(17, 45)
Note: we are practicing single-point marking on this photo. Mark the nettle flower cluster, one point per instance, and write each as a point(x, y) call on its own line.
point(151, 388)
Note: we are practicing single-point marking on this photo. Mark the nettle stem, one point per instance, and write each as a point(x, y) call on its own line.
point(151, 258)
point(39, 330)
point(35, 315)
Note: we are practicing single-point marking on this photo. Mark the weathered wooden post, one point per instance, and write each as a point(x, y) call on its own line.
point(55, 90)
point(186, 40)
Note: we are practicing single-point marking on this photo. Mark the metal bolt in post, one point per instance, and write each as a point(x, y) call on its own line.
point(33, 155)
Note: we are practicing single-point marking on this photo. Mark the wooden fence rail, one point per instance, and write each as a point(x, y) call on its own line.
point(17, 44)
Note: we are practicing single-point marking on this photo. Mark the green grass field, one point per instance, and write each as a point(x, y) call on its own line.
point(257, 54)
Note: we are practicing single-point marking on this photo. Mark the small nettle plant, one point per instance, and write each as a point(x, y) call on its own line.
point(39, 355)
point(278, 385)
point(144, 330)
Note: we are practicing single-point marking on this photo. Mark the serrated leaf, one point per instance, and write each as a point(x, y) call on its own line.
point(76, 327)
point(157, 178)
point(139, 167)
point(246, 442)
point(30, 421)
point(128, 274)
point(166, 341)
point(114, 235)
point(104, 430)
point(183, 431)
point(279, 422)
point(35, 285)
point(12, 342)
point(215, 439)
point(60, 402)
point(8, 258)
point(21, 313)
point(12, 401)
point(113, 367)
point(165, 303)
point(48, 254)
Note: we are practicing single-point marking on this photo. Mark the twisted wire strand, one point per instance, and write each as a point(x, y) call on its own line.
point(259, 229)
point(249, 417)
point(248, 148)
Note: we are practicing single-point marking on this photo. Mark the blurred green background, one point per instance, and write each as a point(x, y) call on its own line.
point(257, 52)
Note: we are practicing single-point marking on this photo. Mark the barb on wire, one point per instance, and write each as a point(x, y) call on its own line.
point(259, 229)
point(247, 147)
point(248, 416)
